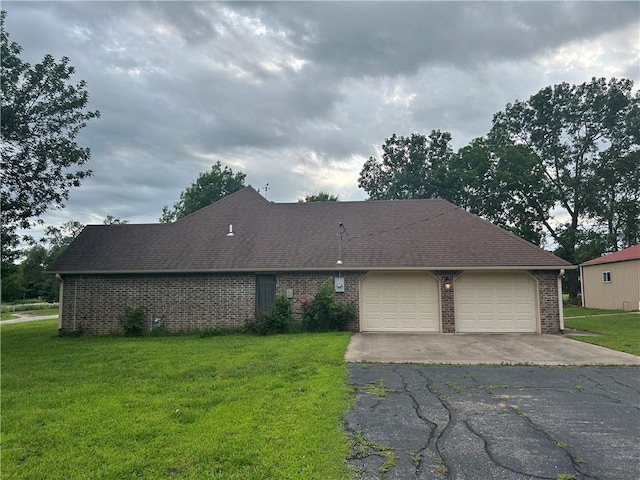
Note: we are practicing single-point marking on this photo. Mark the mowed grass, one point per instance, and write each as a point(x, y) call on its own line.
point(181, 407)
point(620, 331)
point(583, 312)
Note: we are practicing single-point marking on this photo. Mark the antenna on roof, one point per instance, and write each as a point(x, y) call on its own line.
point(340, 232)
point(266, 189)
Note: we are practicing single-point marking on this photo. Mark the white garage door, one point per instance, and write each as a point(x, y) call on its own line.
point(495, 302)
point(399, 302)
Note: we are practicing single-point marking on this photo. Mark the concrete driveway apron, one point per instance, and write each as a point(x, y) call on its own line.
point(477, 349)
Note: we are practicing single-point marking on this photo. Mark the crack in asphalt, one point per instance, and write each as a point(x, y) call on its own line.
point(487, 449)
point(519, 413)
point(417, 410)
point(450, 419)
point(576, 466)
point(607, 393)
point(417, 398)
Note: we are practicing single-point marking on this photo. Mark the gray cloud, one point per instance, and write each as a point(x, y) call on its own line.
point(299, 94)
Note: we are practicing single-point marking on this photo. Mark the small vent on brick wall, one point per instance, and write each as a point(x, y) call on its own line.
point(230, 234)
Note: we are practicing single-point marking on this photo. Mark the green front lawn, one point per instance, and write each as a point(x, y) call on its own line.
point(619, 331)
point(232, 407)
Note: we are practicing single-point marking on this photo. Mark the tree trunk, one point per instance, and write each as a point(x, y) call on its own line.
point(571, 257)
point(573, 284)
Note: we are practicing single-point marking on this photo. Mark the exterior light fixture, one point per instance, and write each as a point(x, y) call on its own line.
point(447, 283)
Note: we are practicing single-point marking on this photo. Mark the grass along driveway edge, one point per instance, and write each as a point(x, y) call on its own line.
point(184, 407)
point(619, 331)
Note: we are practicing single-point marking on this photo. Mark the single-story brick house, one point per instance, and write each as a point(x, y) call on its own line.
point(406, 265)
point(612, 281)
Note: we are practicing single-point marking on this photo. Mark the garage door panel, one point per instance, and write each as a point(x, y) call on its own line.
point(399, 302)
point(495, 302)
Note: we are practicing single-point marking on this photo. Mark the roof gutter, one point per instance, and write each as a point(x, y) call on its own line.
point(319, 268)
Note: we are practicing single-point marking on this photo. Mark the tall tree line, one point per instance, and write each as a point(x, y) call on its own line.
point(562, 167)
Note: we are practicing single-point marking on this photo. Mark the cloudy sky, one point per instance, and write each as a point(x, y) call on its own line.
point(298, 95)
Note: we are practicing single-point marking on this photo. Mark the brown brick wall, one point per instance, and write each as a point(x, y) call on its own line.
point(305, 285)
point(548, 300)
point(94, 304)
point(447, 301)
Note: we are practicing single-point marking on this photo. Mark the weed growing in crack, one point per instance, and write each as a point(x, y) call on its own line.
point(440, 467)
point(416, 458)
point(579, 459)
point(566, 476)
point(519, 412)
point(455, 387)
point(561, 444)
point(488, 388)
point(359, 448)
point(363, 448)
point(377, 389)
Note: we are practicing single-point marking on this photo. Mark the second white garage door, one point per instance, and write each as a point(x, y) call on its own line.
point(495, 302)
point(399, 302)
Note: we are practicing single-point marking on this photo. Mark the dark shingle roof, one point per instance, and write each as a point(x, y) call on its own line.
point(398, 234)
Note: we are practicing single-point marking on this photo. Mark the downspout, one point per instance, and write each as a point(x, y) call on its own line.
point(581, 286)
point(60, 300)
point(75, 301)
point(560, 302)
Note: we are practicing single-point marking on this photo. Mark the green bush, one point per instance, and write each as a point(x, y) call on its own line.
point(277, 320)
point(324, 313)
point(133, 321)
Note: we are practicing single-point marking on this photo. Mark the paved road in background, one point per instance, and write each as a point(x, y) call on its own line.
point(495, 422)
point(28, 318)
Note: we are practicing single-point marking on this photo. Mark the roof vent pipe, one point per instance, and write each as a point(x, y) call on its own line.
point(340, 232)
point(230, 234)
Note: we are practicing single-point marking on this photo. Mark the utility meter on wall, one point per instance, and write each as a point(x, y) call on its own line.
point(339, 284)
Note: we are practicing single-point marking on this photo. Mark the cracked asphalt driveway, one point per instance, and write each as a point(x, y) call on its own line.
point(501, 422)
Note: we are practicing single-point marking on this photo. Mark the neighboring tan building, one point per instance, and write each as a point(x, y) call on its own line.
point(612, 281)
point(406, 266)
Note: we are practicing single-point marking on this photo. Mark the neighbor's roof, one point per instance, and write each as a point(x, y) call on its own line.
point(396, 234)
point(631, 253)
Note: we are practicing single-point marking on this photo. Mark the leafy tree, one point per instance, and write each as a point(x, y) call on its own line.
point(62, 236)
point(111, 220)
point(616, 182)
point(11, 282)
point(504, 184)
point(36, 283)
point(59, 238)
point(30, 279)
point(42, 113)
point(585, 137)
point(589, 244)
point(411, 167)
point(207, 188)
point(318, 197)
